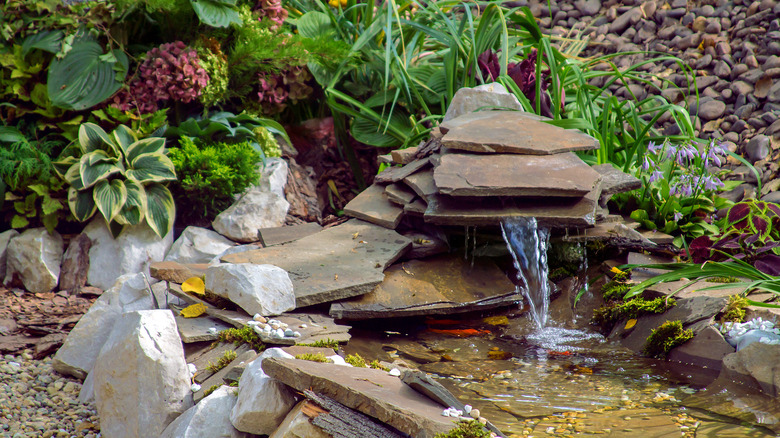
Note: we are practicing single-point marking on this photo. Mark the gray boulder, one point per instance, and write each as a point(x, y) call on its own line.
point(198, 245)
point(33, 259)
point(210, 418)
point(5, 238)
point(263, 289)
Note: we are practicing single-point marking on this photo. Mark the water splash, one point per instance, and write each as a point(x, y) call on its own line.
point(528, 245)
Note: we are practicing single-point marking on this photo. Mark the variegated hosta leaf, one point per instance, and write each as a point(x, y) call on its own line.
point(123, 137)
point(160, 209)
point(152, 168)
point(97, 157)
point(63, 166)
point(132, 212)
point(99, 171)
point(73, 176)
point(81, 204)
point(110, 197)
point(93, 137)
point(152, 145)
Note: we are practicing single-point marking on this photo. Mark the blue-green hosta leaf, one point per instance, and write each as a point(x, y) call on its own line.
point(47, 40)
point(99, 170)
point(81, 204)
point(216, 13)
point(152, 168)
point(132, 212)
point(151, 145)
point(124, 137)
point(85, 77)
point(160, 209)
point(110, 197)
point(92, 137)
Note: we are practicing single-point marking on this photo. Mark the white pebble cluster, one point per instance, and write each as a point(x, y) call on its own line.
point(735, 330)
point(272, 328)
point(452, 412)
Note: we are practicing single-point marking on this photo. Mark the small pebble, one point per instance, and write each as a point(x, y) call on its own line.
point(195, 387)
point(289, 333)
point(193, 369)
point(296, 334)
point(395, 372)
point(212, 331)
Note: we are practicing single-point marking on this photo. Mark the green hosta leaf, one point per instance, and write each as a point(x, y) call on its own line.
point(151, 145)
point(133, 211)
point(47, 40)
point(92, 137)
point(9, 134)
point(19, 221)
point(81, 79)
point(98, 171)
point(110, 197)
point(160, 209)
point(314, 24)
point(73, 175)
point(81, 204)
point(216, 13)
point(152, 167)
point(124, 137)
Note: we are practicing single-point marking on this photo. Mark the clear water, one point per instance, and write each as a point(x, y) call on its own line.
point(527, 243)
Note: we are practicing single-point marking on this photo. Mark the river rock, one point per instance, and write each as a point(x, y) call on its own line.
point(712, 109)
point(484, 96)
point(133, 251)
point(758, 148)
point(75, 264)
point(263, 289)
point(261, 206)
point(33, 259)
point(197, 245)
point(263, 402)
point(559, 175)
point(80, 350)
point(210, 418)
point(5, 238)
point(298, 425)
point(142, 382)
point(588, 7)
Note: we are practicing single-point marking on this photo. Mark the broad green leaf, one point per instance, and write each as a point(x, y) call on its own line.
point(123, 137)
point(39, 189)
point(216, 13)
point(19, 221)
point(376, 134)
point(160, 209)
point(132, 212)
point(47, 40)
point(92, 137)
point(314, 24)
point(152, 167)
point(110, 197)
point(81, 79)
point(10, 134)
point(151, 145)
point(81, 204)
point(50, 205)
point(99, 171)
point(73, 176)
point(50, 221)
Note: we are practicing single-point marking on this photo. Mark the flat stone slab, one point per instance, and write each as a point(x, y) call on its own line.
point(372, 392)
point(563, 175)
point(236, 318)
point(400, 193)
point(372, 205)
point(279, 235)
point(208, 358)
point(438, 285)
point(416, 208)
point(176, 272)
point(422, 183)
point(706, 350)
point(218, 378)
point(339, 262)
point(614, 180)
point(404, 156)
point(512, 132)
point(549, 212)
point(197, 329)
point(394, 173)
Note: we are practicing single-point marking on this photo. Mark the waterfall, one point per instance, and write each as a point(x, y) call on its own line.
point(528, 245)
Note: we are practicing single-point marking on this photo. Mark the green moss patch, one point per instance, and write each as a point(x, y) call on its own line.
point(667, 336)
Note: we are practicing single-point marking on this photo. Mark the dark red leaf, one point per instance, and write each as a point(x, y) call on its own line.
point(768, 264)
point(737, 213)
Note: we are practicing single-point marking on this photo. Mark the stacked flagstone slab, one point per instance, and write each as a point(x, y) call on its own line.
point(490, 166)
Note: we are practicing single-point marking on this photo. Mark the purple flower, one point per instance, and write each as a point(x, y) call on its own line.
point(653, 148)
point(677, 216)
point(655, 176)
point(671, 151)
point(712, 183)
point(645, 165)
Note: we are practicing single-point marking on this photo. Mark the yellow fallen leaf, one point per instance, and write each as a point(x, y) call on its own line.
point(194, 285)
point(630, 323)
point(496, 320)
point(193, 311)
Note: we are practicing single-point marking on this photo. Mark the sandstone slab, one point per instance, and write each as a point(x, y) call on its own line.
point(197, 245)
point(256, 288)
point(438, 285)
point(614, 180)
point(404, 156)
point(372, 205)
point(372, 392)
point(422, 183)
point(564, 175)
point(706, 350)
point(208, 419)
point(33, 259)
point(141, 379)
point(338, 262)
point(218, 378)
point(176, 272)
point(206, 360)
point(511, 132)
point(199, 329)
point(279, 235)
point(400, 193)
point(394, 173)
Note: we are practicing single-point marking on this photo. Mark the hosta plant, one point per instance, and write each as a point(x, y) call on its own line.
point(122, 177)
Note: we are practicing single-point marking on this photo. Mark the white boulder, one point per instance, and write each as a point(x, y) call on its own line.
point(34, 258)
point(298, 425)
point(210, 418)
point(5, 237)
point(263, 402)
point(133, 251)
point(261, 206)
point(80, 350)
point(263, 289)
point(198, 245)
point(141, 378)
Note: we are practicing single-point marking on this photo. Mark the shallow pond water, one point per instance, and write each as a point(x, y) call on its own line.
point(559, 381)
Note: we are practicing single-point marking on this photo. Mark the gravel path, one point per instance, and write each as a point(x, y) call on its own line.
point(35, 401)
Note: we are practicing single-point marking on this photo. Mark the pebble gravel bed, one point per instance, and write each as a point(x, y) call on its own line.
point(35, 401)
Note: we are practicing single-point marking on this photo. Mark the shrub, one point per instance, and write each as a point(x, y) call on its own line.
point(211, 176)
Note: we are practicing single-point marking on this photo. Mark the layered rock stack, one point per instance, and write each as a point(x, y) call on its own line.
point(483, 167)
